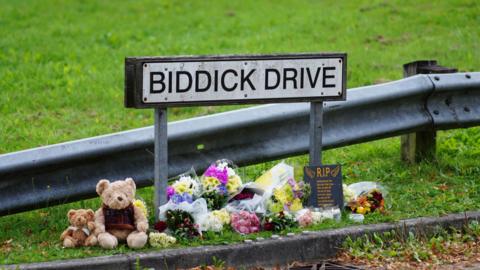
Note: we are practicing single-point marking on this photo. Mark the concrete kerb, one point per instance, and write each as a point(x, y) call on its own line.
point(313, 246)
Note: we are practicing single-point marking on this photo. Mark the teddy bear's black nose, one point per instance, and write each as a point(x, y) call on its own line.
point(120, 198)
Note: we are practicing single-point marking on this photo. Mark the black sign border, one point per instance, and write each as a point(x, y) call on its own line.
point(134, 78)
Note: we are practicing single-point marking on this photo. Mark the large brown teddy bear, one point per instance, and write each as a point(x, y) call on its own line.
point(119, 219)
point(80, 232)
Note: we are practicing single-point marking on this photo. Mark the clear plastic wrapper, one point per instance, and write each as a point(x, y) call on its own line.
point(198, 209)
point(278, 175)
point(256, 204)
point(360, 188)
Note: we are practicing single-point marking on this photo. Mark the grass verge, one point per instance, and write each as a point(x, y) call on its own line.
point(429, 189)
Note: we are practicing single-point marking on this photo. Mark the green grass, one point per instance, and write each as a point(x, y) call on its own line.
point(61, 78)
point(61, 62)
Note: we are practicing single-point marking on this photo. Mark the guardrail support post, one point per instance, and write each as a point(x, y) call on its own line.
point(421, 145)
point(161, 158)
point(316, 126)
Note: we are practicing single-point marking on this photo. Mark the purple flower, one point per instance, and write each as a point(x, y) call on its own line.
point(170, 192)
point(185, 197)
point(221, 175)
point(291, 182)
point(177, 198)
point(222, 190)
point(298, 194)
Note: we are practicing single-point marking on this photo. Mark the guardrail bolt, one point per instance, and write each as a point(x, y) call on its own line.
point(421, 145)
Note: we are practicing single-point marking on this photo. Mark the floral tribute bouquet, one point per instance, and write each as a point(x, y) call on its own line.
point(305, 218)
point(245, 222)
point(219, 182)
point(288, 197)
point(280, 221)
point(215, 221)
point(185, 188)
point(161, 240)
point(368, 197)
point(182, 224)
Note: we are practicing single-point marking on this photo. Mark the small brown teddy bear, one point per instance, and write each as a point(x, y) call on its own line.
point(119, 219)
point(80, 233)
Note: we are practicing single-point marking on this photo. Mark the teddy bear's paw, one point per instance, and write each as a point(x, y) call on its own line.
point(91, 241)
point(107, 241)
point(142, 226)
point(69, 242)
point(137, 239)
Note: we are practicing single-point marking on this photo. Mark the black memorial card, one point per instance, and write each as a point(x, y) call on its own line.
point(326, 184)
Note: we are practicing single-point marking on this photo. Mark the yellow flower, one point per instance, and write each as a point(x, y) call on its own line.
point(283, 194)
point(275, 207)
point(361, 210)
point(161, 240)
point(140, 204)
point(296, 205)
point(280, 195)
point(234, 182)
point(222, 215)
point(210, 183)
point(181, 187)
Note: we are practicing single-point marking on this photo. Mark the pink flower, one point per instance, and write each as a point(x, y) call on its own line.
point(306, 219)
point(170, 192)
point(244, 222)
point(220, 174)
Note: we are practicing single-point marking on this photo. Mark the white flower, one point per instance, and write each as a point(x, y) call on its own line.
point(231, 172)
point(348, 194)
point(161, 240)
point(319, 216)
point(212, 223)
point(222, 165)
point(187, 184)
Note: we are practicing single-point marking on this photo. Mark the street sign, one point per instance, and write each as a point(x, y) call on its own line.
point(187, 81)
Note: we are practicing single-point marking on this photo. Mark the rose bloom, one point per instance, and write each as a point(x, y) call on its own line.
point(245, 222)
point(306, 219)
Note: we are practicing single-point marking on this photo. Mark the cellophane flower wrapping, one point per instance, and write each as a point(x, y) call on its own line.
point(220, 181)
point(185, 186)
point(161, 240)
point(256, 204)
point(280, 221)
point(197, 210)
point(245, 222)
point(367, 197)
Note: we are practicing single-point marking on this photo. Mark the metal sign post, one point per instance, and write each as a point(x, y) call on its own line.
point(161, 82)
point(316, 126)
point(161, 157)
